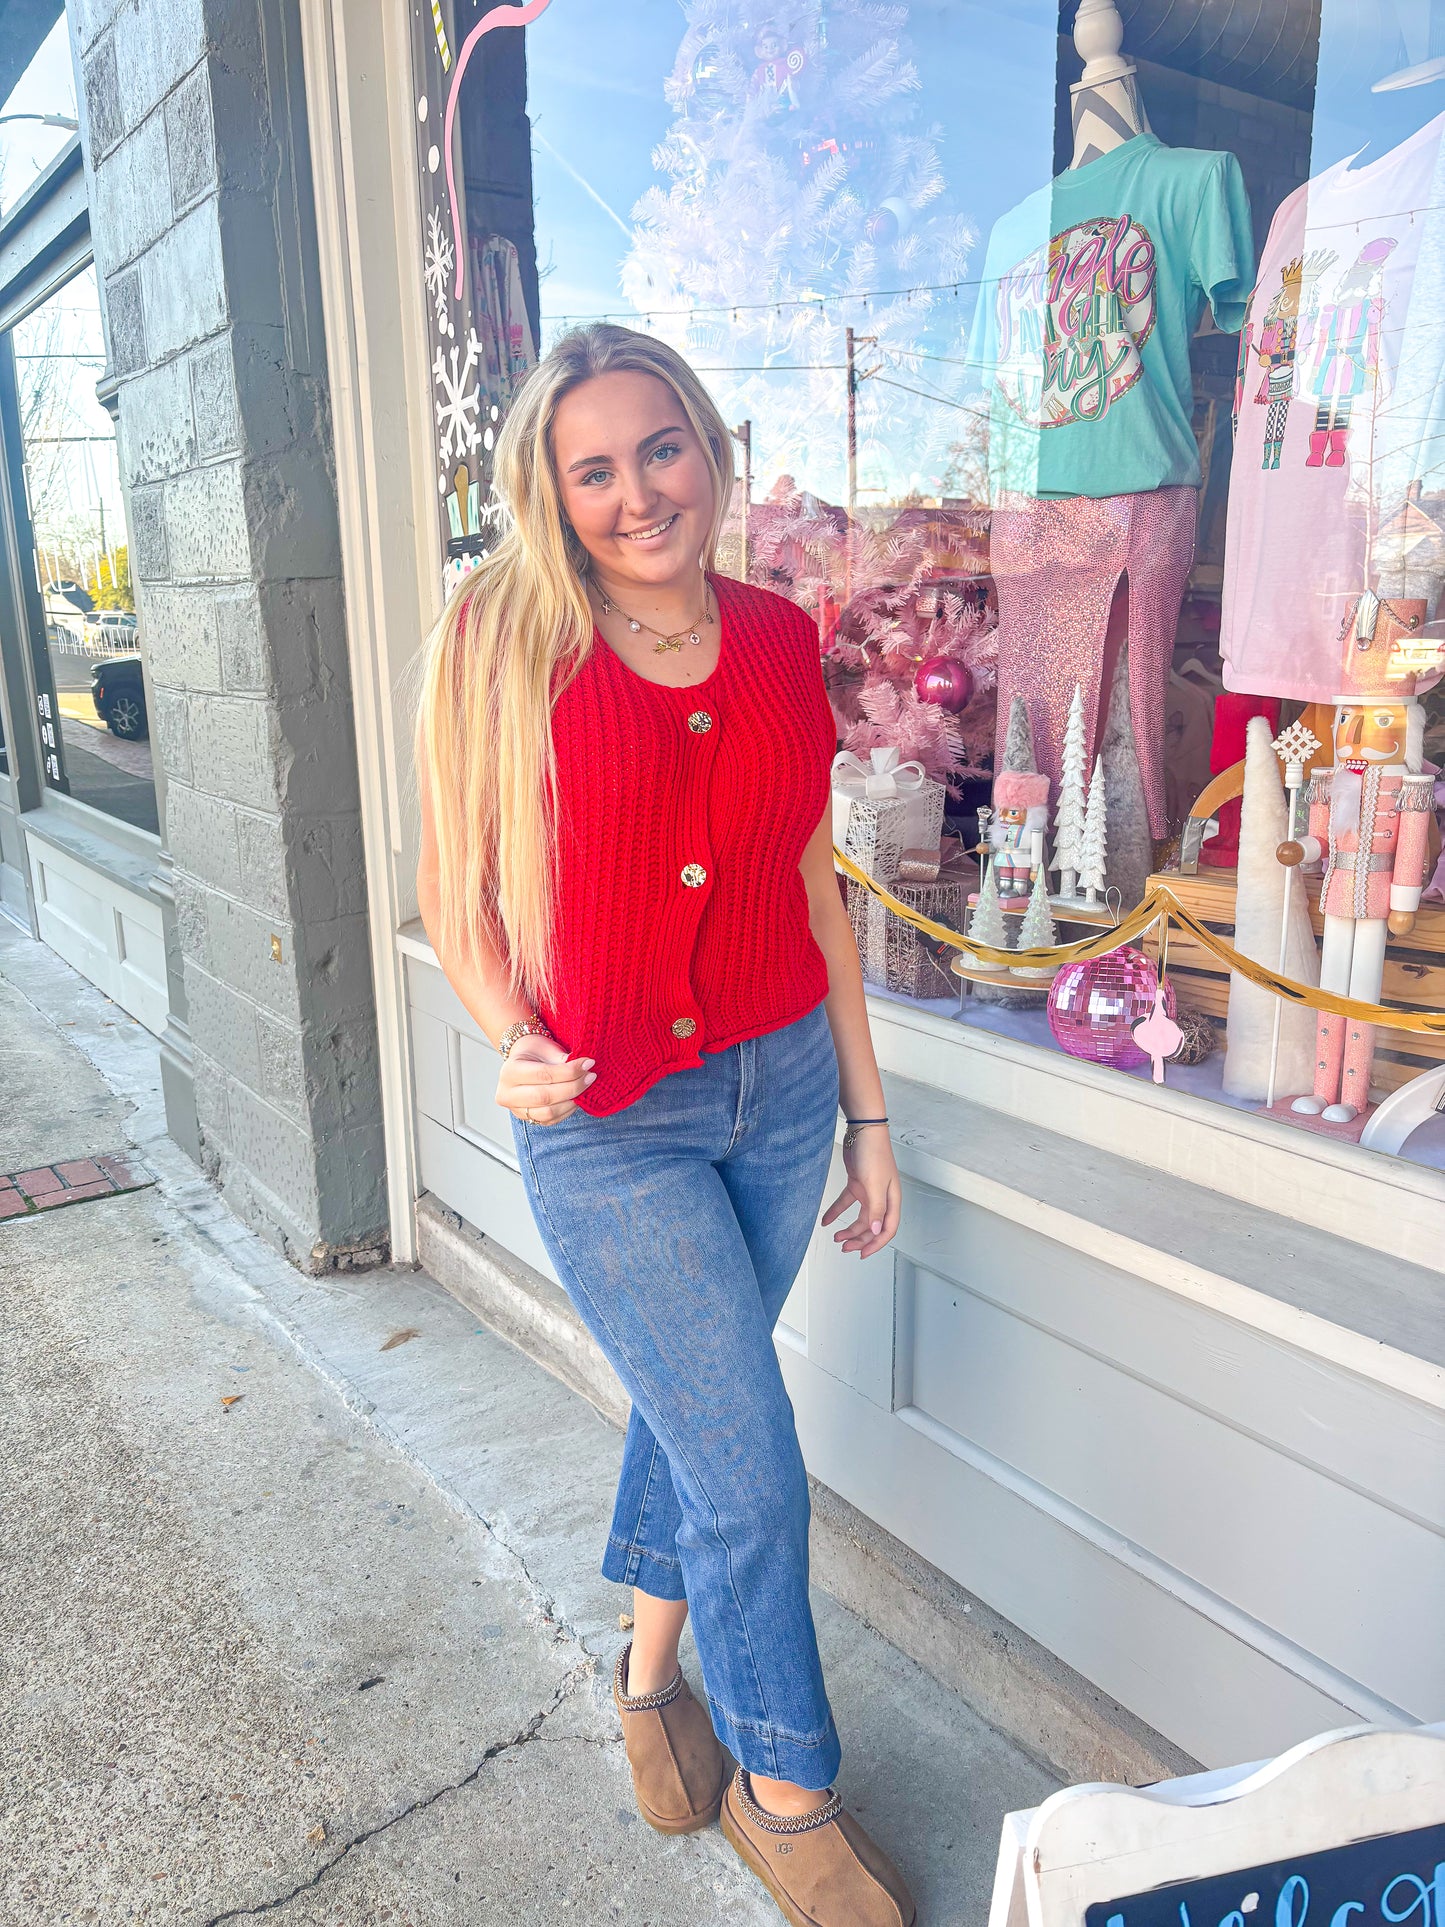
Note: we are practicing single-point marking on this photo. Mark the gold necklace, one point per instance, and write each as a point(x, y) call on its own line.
point(689, 633)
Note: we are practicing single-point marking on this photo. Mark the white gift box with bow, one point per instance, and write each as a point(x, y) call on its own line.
point(884, 779)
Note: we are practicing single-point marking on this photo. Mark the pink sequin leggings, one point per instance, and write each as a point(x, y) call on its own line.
point(1056, 565)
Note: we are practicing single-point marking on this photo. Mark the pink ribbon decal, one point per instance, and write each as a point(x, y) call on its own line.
point(504, 16)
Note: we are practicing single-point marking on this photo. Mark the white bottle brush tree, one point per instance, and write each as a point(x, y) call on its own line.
point(987, 925)
point(1094, 851)
point(1037, 932)
point(1069, 819)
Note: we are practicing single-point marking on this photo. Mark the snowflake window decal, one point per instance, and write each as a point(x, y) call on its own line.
point(455, 374)
point(440, 260)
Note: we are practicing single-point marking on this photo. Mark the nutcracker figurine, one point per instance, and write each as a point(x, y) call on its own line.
point(1016, 834)
point(1369, 819)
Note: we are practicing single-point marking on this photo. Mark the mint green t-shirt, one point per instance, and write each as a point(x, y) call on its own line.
point(1091, 290)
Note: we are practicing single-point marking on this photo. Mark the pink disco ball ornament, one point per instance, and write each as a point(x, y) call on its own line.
point(941, 680)
point(1094, 1006)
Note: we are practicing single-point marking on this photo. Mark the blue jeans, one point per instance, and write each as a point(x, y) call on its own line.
point(678, 1226)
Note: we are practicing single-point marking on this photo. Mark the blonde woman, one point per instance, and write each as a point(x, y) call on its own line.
point(627, 874)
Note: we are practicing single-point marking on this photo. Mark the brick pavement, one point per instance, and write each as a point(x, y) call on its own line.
point(69, 1182)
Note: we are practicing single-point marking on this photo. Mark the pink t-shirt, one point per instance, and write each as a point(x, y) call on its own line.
point(1327, 437)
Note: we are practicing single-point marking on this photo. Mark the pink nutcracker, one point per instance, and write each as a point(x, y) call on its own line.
point(1016, 834)
point(1369, 818)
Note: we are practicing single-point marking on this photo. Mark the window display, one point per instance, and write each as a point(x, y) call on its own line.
point(1089, 399)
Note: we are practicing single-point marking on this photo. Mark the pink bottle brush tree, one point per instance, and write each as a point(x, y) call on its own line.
point(872, 662)
point(891, 599)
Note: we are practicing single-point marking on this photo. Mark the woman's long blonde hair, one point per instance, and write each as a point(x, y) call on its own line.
point(515, 631)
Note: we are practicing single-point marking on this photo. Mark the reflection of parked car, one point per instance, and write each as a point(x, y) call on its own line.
point(111, 629)
point(119, 696)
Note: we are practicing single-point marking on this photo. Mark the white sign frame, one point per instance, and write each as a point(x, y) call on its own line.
point(1100, 1842)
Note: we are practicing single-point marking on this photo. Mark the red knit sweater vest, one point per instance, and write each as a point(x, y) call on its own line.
point(681, 916)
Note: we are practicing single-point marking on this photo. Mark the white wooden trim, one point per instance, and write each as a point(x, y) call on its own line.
point(1382, 1203)
point(1092, 1572)
point(1136, 1639)
point(359, 106)
point(1384, 1364)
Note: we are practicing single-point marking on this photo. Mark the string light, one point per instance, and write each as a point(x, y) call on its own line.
point(816, 303)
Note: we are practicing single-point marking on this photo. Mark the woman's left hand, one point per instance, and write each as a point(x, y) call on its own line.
point(874, 1186)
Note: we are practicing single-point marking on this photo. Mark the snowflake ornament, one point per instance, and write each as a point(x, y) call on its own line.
point(458, 405)
point(1295, 744)
point(440, 260)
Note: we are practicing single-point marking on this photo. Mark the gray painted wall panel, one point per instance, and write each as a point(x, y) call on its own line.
point(1277, 1538)
point(1191, 1679)
point(485, 1191)
point(1362, 1433)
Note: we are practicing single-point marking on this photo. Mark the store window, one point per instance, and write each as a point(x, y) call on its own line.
point(87, 645)
point(1094, 418)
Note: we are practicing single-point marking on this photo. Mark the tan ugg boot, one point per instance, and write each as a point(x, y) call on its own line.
point(821, 1868)
point(678, 1768)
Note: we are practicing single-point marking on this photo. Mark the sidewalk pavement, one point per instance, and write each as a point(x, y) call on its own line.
point(300, 1618)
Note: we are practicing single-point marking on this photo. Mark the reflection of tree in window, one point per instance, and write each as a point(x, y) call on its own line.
point(803, 192)
point(94, 722)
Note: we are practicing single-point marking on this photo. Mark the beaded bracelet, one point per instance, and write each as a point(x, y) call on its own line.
point(524, 1027)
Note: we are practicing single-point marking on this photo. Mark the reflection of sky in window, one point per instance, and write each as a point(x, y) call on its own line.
point(1361, 43)
point(46, 87)
point(595, 97)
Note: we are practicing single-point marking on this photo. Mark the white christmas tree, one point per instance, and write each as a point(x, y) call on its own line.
point(986, 925)
point(1096, 837)
point(1069, 817)
point(801, 193)
point(1037, 931)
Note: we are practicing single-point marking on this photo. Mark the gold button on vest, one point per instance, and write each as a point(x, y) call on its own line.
point(699, 722)
point(694, 875)
point(683, 1026)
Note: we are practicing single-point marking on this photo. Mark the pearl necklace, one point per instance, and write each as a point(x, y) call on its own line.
point(690, 633)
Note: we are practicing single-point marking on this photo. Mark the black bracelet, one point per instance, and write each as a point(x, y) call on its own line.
point(858, 1121)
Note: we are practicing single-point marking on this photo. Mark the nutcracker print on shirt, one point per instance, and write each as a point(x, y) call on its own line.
point(1318, 341)
point(1339, 459)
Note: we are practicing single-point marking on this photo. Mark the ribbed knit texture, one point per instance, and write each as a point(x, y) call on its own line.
point(641, 795)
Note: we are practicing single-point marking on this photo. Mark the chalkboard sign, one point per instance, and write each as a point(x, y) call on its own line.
point(1386, 1881)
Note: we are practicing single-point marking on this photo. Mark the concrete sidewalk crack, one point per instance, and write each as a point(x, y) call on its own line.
point(531, 1732)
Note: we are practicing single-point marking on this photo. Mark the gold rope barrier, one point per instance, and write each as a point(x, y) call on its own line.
point(1160, 902)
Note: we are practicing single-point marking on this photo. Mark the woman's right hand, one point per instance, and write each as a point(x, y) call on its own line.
point(539, 1082)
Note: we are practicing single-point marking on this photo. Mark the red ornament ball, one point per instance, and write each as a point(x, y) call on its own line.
point(942, 680)
point(1094, 1006)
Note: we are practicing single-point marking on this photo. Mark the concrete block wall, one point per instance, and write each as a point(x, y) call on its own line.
point(193, 122)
